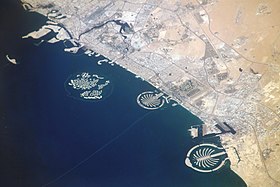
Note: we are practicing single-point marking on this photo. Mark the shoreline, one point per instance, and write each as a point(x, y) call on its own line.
point(222, 103)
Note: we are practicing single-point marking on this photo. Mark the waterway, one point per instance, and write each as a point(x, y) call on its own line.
point(50, 139)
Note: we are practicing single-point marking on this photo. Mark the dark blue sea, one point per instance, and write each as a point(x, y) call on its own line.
point(50, 139)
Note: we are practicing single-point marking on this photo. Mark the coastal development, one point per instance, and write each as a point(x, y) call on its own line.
point(150, 100)
point(218, 59)
point(86, 86)
point(206, 158)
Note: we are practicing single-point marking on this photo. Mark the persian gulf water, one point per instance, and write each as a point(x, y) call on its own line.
point(48, 138)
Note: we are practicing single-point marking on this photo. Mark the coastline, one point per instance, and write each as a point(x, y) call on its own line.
point(154, 78)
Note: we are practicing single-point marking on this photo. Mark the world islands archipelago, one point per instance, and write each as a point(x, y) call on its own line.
point(218, 59)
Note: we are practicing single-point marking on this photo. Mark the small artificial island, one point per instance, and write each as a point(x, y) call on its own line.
point(206, 157)
point(12, 60)
point(87, 86)
point(150, 100)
